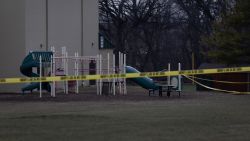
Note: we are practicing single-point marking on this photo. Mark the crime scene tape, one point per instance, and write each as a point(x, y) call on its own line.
point(215, 89)
point(127, 75)
point(219, 81)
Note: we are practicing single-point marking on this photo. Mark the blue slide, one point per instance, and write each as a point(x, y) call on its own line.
point(145, 82)
point(30, 61)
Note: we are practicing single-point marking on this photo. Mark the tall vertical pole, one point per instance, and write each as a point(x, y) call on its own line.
point(76, 70)
point(54, 74)
point(169, 69)
point(193, 65)
point(179, 77)
point(67, 72)
point(40, 75)
point(248, 80)
point(100, 74)
point(114, 79)
point(120, 58)
point(51, 69)
point(97, 70)
point(64, 66)
point(124, 71)
point(108, 71)
point(121, 71)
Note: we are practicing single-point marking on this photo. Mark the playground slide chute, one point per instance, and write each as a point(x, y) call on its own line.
point(30, 61)
point(145, 82)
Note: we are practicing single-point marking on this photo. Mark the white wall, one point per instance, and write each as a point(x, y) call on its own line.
point(12, 40)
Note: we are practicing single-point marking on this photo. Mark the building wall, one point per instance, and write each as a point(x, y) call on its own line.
point(90, 27)
point(35, 19)
point(12, 40)
point(71, 23)
point(64, 24)
point(35, 25)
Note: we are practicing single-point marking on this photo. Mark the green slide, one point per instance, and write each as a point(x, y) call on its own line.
point(32, 61)
point(145, 82)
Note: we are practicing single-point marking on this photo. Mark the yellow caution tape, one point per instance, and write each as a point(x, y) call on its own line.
point(215, 89)
point(219, 81)
point(127, 75)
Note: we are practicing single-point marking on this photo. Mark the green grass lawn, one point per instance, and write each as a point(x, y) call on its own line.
point(203, 116)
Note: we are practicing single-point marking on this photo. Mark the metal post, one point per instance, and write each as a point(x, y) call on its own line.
point(51, 73)
point(100, 74)
point(248, 80)
point(40, 75)
point(67, 72)
point(124, 81)
point(97, 70)
point(114, 73)
point(54, 74)
point(64, 66)
point(76, 70)
point(119, 72)
point(179, 77)
point(193, 66)
point(169, 69)
point(108, 72)
point(51, 69)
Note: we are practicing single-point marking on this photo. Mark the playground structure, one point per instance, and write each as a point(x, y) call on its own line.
point(53, 63)
point(87, 65)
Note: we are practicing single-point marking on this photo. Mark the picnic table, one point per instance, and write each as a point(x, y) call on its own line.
point(162, 88)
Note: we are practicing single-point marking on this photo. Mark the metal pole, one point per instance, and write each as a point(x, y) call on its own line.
point(124, 81)
point(67, 72)
point(97, 70)
point(169, 69)
point(54, 74)
point(179, 78)
point(76, 72)
point(40, 75)
point(64, 67)
point(108, 64)
point(51, 69)
point(248, 80)
point(120, 88)
point(100, 74)
point(114, 73)
point(51, 73)
point(75, 69)
point(193, 61)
